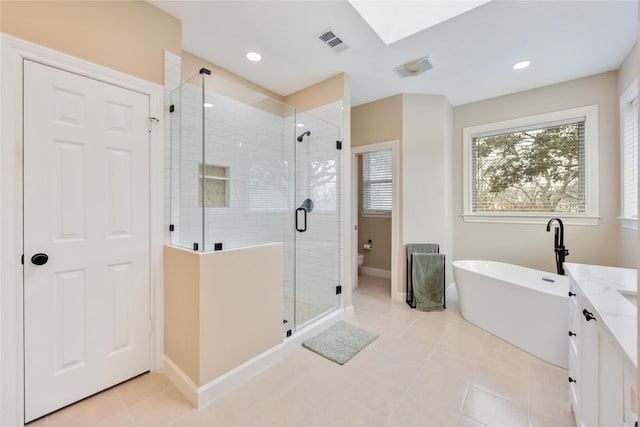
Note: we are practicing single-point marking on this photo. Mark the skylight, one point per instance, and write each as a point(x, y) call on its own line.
point(395, 20)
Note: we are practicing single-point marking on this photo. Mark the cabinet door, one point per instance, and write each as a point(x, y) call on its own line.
point(630, 388)
point(574, 351)
point(610, 382)
point(588, 381)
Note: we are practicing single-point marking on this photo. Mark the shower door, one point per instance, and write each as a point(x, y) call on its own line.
point(317, 218)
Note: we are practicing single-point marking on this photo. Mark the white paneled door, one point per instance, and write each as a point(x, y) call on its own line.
point(86, 237)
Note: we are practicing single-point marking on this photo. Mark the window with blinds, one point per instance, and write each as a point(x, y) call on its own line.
point(538, 168)
point(377, 193)
point(629, 117)
point(526, 169)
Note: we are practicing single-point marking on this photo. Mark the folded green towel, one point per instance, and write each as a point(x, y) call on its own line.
point(424, 248)
point(427, 277)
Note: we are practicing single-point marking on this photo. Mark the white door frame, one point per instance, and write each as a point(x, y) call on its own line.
point(14, 51)
point(394, 146)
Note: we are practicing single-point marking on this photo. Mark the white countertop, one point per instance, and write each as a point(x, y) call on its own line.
point(603, 288)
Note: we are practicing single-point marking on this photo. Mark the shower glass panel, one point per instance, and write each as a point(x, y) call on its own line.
point(317, 218)
point(186, 154)
point(247, 170)
point(229, 177)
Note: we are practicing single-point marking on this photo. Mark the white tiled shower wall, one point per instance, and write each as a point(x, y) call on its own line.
point(258, 148)
point(249, 142)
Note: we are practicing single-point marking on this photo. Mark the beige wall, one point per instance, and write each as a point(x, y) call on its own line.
point(377, 121)
point(526, 244)
point(240, 307)
point(627, 73)
point(319, 94)
point(182, 310)
point(219, 313)
point(128, 36)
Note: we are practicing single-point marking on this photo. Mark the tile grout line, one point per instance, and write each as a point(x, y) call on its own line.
point(466, 395)
point(125, 406)
point(415, 378)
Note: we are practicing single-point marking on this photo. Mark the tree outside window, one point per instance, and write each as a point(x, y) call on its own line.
point(526, 169)
point(534, 170)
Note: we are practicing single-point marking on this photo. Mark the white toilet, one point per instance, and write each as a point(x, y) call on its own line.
point(360, 259)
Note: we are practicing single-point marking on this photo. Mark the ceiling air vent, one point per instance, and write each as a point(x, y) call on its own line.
point(335, 43)
point(414, 68)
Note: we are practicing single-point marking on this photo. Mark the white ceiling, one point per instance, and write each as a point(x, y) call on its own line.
point(472, 54)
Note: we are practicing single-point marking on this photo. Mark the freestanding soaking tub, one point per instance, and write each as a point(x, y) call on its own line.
point(526, 307)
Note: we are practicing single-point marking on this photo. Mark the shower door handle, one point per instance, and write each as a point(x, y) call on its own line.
point(301, 230)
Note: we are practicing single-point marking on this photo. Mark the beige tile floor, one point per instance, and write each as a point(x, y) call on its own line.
point(305, 313)
point(425, 369)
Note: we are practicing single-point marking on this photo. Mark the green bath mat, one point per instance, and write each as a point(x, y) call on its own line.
point(340, 342)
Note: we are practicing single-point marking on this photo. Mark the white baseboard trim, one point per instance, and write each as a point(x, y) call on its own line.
point(399, 296)
point(181, 380)
point(376, 272)
point(349, 312)
point(202, 396)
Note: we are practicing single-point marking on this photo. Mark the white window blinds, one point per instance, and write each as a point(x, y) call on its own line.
point(630, 159)
point(537, 168)
point(377, 168)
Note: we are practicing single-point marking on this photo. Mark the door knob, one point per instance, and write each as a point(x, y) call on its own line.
point(40, 259)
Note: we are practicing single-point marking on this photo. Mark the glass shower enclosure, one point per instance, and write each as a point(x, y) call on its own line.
point(247, 170)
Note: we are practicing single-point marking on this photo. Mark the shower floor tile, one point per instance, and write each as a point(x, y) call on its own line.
point(304, 313)
point(426, 369)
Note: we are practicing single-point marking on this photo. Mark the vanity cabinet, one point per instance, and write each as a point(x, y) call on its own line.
point(630, 394)
point(602, 378)
point(574, 344)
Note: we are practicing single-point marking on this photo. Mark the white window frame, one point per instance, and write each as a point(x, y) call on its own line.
point(591, 214)
point(384, 213)
point(629, 95)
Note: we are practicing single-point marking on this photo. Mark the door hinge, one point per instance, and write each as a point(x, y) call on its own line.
point(172, 227)
point(151, 121)
point(22, 259)
point(172, 108)
point(338, 290)
point(150, 326)
point(338, 145)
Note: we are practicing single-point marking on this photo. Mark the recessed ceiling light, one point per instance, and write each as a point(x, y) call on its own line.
point(300, 125)
point(207, 105)
point(254, 56)
point(520, 65)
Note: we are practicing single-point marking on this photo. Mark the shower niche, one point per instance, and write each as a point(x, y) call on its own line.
point(215, 181)
point(241, 167)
